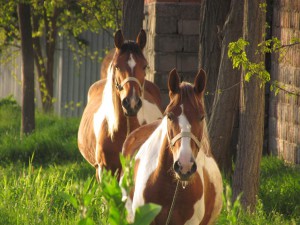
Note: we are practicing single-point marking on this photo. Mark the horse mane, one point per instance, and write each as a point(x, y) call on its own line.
point(110, 100)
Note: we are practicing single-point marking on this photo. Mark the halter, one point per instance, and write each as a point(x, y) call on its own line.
point(120, 86)
point(185, 134)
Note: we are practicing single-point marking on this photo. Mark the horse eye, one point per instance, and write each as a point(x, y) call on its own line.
point(145, 67)
point(117, 67)
point(202, 117)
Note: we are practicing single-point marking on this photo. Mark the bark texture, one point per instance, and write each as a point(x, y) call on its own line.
point(28, 116)
point(225, 104)
point(212, 17)
point(251, 124)
point(132, 18)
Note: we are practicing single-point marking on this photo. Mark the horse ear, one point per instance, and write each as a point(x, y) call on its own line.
point(119, 39)
point(141, 39)
point(200, 82)
point(173, 82)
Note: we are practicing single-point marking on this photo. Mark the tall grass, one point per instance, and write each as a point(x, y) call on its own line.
point(45, 180)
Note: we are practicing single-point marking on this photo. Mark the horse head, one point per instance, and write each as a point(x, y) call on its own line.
point(185, 124)
point(129, 65)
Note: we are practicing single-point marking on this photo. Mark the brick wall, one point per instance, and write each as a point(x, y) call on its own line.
point(172, 29)
point(284, 109)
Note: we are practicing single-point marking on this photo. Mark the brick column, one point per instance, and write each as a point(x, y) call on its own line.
point(172, 28)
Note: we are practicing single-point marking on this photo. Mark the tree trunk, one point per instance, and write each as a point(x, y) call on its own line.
point(251, 124)
point(28, 117)
point(132, 18)
point(225, 105)
point(45, 63)
point(212, 17)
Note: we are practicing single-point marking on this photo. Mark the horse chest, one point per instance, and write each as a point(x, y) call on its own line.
point(107, 148)
point(188, 207)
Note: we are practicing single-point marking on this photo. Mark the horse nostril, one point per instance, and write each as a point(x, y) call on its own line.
point(177, 166)
point(126, 102)
point(194, 168)
point(139, 103)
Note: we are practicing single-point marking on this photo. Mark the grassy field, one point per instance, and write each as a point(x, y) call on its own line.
point(45, 180)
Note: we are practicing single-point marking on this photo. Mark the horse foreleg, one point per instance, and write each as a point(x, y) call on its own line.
point(98, 172)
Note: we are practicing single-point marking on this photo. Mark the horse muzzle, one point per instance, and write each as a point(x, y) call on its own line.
point(131, 106)
point(185, 172)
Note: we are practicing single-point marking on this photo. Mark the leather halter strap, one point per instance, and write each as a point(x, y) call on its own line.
point(185, 134)
point(120, 86)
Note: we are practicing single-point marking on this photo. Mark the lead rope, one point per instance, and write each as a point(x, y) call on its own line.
point(173, 203)
point(128, 126)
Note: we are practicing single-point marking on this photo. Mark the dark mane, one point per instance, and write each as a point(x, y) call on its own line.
point(131, 46)
point(186, 94)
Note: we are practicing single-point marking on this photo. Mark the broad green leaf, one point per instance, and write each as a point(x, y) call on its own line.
point(146, 214)
point(86, 221)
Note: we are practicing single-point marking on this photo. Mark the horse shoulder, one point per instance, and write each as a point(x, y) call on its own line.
point(138, 137)
point(153, 93)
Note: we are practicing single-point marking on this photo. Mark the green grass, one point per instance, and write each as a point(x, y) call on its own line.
point(45, 180)
point(54, 139)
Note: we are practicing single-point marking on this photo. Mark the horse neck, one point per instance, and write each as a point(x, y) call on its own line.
point(164, 168)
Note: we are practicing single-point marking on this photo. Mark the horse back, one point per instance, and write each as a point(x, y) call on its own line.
point(137, 138)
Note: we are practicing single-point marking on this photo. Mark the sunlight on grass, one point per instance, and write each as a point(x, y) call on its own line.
point(45, 179)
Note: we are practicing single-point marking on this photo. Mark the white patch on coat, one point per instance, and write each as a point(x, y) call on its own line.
point(97, 125)
point(148, 113)
point(148, 161)
point(131, 62)
point(215, 177)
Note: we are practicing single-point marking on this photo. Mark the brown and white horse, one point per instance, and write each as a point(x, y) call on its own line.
point(117, 105)
point(173, 158)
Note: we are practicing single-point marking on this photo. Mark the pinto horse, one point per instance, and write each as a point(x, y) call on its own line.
point(117, 105)
point(174, 166)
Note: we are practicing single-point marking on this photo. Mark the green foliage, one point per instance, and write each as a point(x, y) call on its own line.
point(55, 139)
point(50, 19)
point(231, 211)
point(112, 206)
point(280, 187)
point(238, 55)
point(278, 199)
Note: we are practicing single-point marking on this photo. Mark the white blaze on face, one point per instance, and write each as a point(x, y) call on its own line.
point(133, 99)
point(131, 63)
point(185, 152)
